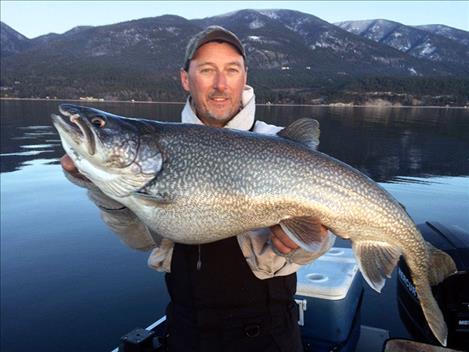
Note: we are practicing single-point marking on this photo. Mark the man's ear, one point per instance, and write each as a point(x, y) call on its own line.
point(184, 79)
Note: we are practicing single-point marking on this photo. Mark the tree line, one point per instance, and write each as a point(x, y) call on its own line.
point(269, 87)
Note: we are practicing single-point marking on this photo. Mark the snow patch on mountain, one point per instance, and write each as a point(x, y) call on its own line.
point(173, 30)
point(256, 24)
point(355, 27)
point(455, 34)
point(412, 71)
point(273, 14)
point(420, 42)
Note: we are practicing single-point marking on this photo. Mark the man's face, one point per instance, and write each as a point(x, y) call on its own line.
point(215, 81)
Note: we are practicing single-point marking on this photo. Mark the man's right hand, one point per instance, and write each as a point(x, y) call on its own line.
point(121, 220)
point(69, 166)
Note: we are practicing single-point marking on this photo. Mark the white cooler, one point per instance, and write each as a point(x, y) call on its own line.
point(330, 291)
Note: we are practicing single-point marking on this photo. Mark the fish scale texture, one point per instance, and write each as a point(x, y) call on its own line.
point(254, 181)
point(193, 184)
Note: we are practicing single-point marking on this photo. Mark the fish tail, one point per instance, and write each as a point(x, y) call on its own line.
point(420, 265)
point(440, 266)
point(432, 312)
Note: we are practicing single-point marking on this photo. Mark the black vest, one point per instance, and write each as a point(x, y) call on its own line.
point(223, 279)
point(217, 304)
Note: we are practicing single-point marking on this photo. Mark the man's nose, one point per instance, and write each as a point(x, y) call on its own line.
point(220, 81)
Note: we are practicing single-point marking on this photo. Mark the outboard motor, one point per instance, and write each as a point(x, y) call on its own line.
point(452, 294)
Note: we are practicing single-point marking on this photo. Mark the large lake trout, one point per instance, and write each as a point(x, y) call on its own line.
point(196, 184)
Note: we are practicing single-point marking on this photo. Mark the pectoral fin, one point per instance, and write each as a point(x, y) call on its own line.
point(304, 231)
point(124, 185)
point(376, 261)
point(152, 199)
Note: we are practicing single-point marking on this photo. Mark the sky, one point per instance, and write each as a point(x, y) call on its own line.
point(35, 18)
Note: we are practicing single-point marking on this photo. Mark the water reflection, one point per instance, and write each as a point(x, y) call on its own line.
point(26, 125)
point(56, 250)
point(20, 146)
point(389, 142)
point(385, 143)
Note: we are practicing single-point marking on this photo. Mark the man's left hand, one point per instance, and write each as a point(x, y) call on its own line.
point(283, 243)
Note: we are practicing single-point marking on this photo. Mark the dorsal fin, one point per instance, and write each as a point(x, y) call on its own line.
point(304, 131)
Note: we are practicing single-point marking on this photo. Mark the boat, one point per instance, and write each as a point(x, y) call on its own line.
point(330, 295)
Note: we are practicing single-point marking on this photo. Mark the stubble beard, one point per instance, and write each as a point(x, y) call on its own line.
point(210, 118)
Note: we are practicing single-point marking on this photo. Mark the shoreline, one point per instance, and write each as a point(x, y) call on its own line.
point(332, 105)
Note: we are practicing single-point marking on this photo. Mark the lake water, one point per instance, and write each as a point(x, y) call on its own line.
point(69, 284)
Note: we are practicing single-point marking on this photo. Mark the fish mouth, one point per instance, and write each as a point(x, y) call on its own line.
point(79, 130)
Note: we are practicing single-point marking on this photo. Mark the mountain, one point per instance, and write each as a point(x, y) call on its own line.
point(129, 60)
point(276, 38)
point(43, 39)
point(449, 32)
point(420, 43)
point(292, 57)
point(11, 42)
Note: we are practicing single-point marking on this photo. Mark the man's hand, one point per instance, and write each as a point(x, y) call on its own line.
point(283, 243)
point(69, 166)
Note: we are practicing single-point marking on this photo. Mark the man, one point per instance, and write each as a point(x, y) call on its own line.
point(235, 294)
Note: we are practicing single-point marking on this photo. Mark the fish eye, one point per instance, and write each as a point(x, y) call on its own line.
point(98, 121)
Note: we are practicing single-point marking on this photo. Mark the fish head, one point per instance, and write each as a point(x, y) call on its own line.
point(120, 155)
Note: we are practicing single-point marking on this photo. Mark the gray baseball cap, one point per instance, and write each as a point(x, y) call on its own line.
point(211, 34)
